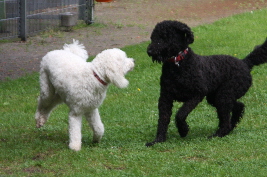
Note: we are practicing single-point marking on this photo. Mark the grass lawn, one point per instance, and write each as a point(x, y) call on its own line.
point(130, 118)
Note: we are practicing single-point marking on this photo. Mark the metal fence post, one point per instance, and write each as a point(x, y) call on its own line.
point(81, 9)
point(23, 21)
point(89, 11)
point(2, 16)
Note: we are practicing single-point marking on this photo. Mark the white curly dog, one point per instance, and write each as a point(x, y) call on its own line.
point(65, 76)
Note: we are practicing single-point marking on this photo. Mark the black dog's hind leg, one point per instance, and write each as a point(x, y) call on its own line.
point(227, 122)
point(224, 122)
point(224, 108)
point(182, 113)
point(165, 111)
point(237, 113)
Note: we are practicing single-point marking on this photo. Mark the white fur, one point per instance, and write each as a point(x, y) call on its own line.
point(65, 76)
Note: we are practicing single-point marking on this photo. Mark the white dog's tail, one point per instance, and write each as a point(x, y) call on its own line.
point(77, 49)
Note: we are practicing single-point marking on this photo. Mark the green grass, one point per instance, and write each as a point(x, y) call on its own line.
point(130, 118)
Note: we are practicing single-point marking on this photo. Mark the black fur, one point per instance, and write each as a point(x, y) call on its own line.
point(222, 79)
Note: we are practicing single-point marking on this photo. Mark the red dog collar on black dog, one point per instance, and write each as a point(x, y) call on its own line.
point(180, 57)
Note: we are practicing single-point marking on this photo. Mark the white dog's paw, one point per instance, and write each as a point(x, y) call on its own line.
point(75, 146)
point(96, 139)
point(98, 132)
point(40, 120)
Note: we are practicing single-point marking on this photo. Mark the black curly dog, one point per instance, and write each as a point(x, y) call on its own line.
point(188, 78)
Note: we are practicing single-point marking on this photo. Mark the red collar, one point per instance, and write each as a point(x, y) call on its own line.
point(180, 57)
point(99, 79)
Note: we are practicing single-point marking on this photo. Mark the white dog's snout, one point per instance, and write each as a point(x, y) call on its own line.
point(133, 64)
point(133, 60)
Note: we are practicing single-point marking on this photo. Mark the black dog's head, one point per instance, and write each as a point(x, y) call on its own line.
point(168, 39)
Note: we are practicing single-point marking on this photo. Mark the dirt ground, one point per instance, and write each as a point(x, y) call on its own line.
point(117, 24)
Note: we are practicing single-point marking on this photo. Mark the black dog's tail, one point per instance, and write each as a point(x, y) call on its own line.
point(257, 56)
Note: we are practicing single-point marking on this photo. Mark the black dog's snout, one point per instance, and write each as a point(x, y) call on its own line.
point(149, 52)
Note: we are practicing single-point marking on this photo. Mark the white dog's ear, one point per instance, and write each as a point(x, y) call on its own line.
point(117, 78)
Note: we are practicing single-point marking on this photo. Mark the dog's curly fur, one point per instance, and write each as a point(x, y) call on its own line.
point(65, 76)
point(222, 79)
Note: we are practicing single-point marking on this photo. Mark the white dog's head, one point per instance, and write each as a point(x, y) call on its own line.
point(113, 65)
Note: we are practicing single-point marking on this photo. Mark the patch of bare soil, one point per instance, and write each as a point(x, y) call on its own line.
point(119, 23)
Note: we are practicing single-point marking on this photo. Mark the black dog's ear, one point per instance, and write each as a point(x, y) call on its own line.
point(189, 36)
point(182, 27)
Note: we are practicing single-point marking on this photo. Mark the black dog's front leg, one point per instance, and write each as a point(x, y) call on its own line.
point(181, 115)
point(165, 111)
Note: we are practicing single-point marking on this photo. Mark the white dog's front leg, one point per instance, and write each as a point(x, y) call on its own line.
point(75, 135)
point(96, 124)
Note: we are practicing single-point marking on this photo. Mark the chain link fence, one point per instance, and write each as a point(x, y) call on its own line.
point(22, 18)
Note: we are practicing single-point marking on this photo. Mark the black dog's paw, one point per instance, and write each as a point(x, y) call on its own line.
point(183, 129)
point(221, 132)
point(183, 133)
point(150, 144)
point(159, 139)
point(215, 135)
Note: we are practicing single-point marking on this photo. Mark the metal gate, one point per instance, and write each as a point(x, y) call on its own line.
point(22, 18)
